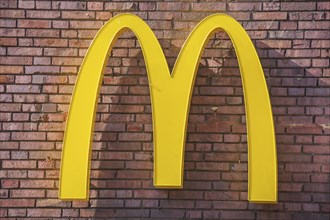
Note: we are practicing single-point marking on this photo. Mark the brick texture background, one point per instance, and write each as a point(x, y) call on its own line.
point(42, 46)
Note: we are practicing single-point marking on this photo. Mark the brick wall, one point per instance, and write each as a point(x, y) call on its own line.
point(43, 44)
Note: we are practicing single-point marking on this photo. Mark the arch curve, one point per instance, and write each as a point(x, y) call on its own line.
point(170, 99)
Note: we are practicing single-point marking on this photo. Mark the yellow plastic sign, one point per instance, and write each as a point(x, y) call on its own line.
point(170, 98)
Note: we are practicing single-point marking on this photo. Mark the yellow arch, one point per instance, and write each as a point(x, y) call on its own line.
point(170, 98)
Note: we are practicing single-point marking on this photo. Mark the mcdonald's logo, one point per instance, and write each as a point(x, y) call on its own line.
point(170, 98)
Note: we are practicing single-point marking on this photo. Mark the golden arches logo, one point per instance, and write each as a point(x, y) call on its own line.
point(170, 98)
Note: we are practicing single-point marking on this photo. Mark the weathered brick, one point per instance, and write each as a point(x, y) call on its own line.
point(10, 107)
point(172, 6)
point(212, 6)
point(134, 137)
point(18, 164)
point(73, 5)
point(43, 5)
point(43, 44)
point(316, 149)
point(301, 6)
point(28, 136)
point(147, 6)
point(44, 212)
point(41, 69)
point(41, 184)
point(34, 23)
point(304, 168)
point(150, 194)
point(17, 203)
point(235, 6)
point(27, 193)
point(11, 70)
point(42, 33)
point(95, 5)
point(16, 212)
point(8, 4)
point(317, 34)
point(323, 6)
point(29, 51)
point(26, 4)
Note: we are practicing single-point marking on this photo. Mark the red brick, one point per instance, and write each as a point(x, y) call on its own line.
point(11, 70)
point(17, 203)
point(124, 213)
point(34, 23)
point(69, 5)
point(317, 34)
point(211, 214)
point(290, 187)
point(29, 51)
point(70, 213)
point(323, 6)
point(321, 159)
point(316, 149)
point(28, 136)
point(304, 129)
point(304, 168)
point(322, 139)
point(293, 206)
point(194, 214)
point(6, 79)
point(26, 4)
point(320, 43)
point(117, 184)
point(53, 37)
point(7, 42)
point(274, 215)
point(12, 14)
point(38, 184)
point(133, 175)
point(222, 195)
point(44, 212)
point(116, 203)
point(18, 164)
point(321, 197)
point(134, 137)
point(212, 6)
point(167, 213)
point(186, 195)
point(313, 25)
point(300, 6)
point(8, 183)
point(60, 52)
point(147, 6)
point(86, 24)
point(8, 4)
point(43, 5)
point(7, 23)
point(27, 193)
point(313, 101)
point(180, 6)
point(95, 5)
point(78, 14)
point(325, 208)
point(16, 60)
point(10, 107)
point(42, 33)
point(229, 205)
point(150, 194)
point(301, 177)
point(235, 6)
point(316, 187)
point(320, 178)
point(17, 212)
